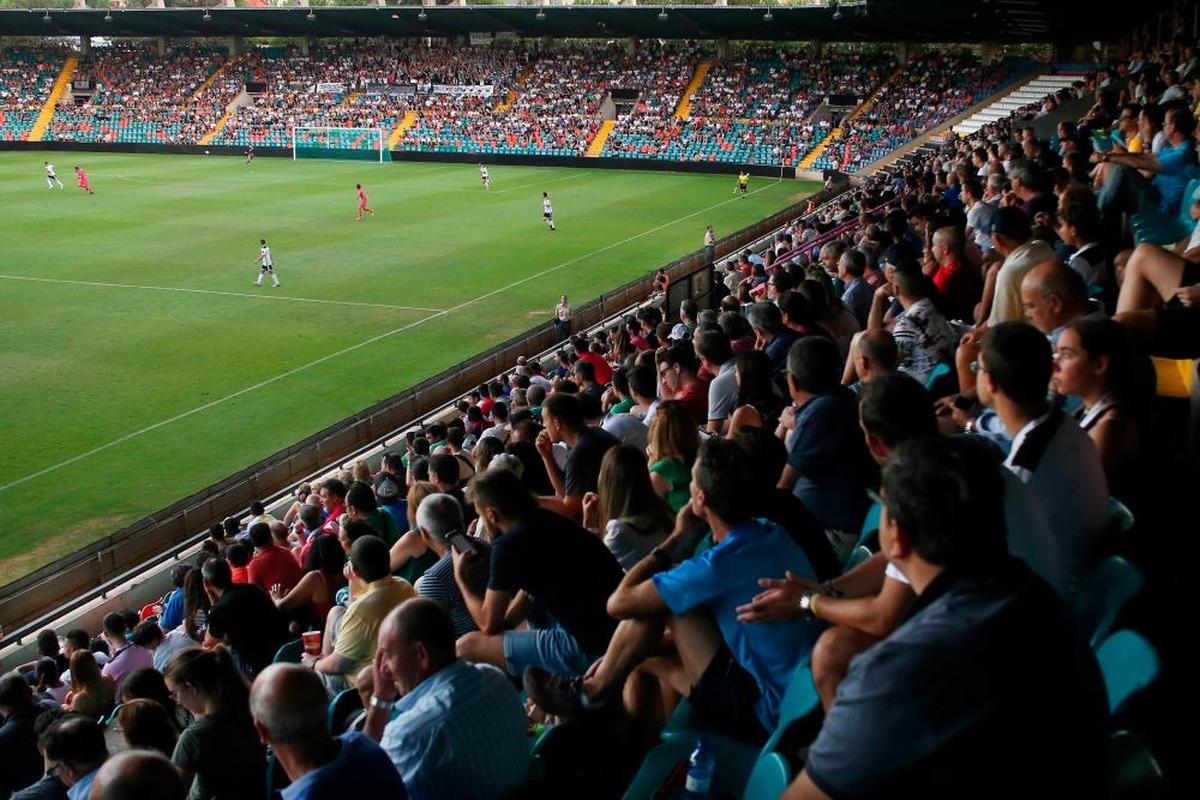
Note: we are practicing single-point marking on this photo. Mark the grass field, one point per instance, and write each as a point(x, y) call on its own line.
point(140, 364)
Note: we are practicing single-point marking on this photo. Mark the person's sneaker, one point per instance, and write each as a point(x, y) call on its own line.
point(554, 694)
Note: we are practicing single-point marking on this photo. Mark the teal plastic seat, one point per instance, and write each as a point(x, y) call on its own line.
point(289, 653)
point(857, 556)
point(769, 779)
point(342, 709)
point(1158, 227)
point(1120, 518)
point(1134, 772)
point(1128, 663)
point(1102, 596)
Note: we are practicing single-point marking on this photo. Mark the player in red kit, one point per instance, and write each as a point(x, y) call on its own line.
point(83, 180)
point(362, 202)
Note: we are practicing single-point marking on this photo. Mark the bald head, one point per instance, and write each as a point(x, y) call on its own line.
point(950, 240)
point(878, 353)
point(421, 620)
point(288, 703)
point(137, 775)
point(1053, 294)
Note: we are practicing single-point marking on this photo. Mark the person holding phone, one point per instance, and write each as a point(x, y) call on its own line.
point(439, 522)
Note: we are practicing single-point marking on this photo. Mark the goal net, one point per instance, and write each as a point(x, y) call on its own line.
point(363, 144)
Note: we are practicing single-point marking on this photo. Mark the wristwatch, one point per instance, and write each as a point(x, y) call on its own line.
point(831, 589)
point(379, 702)
point(662, 556)
point(806, 605)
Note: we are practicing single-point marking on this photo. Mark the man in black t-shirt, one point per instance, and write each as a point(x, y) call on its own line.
point(243, 617)
point(564, 420)
point(541, 561)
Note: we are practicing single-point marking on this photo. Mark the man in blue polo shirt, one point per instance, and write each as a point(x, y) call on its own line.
point(1125, 189)
point(986, 689)
point(734, 674)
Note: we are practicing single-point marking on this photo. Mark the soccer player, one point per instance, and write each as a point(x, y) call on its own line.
point(51, 176)
point(743, 183)
point(483, 174)
point(82, 177)
point(266, 264)
point(548, 211)
point(249, 154)
point(362, 202)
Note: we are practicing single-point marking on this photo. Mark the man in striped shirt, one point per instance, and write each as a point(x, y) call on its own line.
point(438, 516)
point(451, 728)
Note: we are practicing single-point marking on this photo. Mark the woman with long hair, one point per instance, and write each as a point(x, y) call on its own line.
point(219, 754)
point(829, 311)
point(487, 448)
point(1095, 359)
point(91, 693)
point(409, 555)
point(758, 402)
point(309, 600)
point(146, 725)
point(49, 680)
point(626, 511)
point(149, 684)
point(672, 448)
point(195, 621)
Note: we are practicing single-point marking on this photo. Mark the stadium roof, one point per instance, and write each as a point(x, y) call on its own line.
point(887, 20)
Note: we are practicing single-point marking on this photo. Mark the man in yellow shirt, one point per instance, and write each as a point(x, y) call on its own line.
point(356, 638)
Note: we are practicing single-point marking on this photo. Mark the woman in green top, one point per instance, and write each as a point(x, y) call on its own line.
point(219, 754)
point(674, 441)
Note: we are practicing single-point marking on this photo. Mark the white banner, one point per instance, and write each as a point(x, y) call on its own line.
point(456, 90)
point(329, 88)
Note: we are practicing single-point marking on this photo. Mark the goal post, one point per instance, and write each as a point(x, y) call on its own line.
point(361, 144)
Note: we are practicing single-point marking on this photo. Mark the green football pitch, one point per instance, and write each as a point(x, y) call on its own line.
point(139, 363)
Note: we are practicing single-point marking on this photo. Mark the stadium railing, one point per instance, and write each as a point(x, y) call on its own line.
point(74, 582)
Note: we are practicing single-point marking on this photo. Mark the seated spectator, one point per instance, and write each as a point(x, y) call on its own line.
point(958, 283)
point(671, 450)
point(272, 567)
point(828, 466)
point(288, 705)
point(872, 353)
point(146, 725)
point(1173, 164)
point(172, 614)
point(19, 707)
point(1049, 453)
point(333, 499)
point(49, 681)
point(439, 516)
point(355, 636)
point(678, 370)
point(91, 693)
point(451, 728)
point(311, 599)
point(137, 774)
point(541, 561)
point(149, 684)
point(760, 392)
point(239, 554)
point(630, 426)
point(857, 294)
point(410, 556)
point(717, 358)
point(362, 506)
point(923, 337)
point(1052, 296)
point(977, 614)
point(219, 755)
point(564, 421)
point(1012, 237)
point(771, 336)
point(194, 626)
point(50, 787)
point(1079, 227)
point(76, 744)
point(389, 489)
point(1095, 361)
point(625, 510)
point(125, 657)
point(734, 674)
point(242, 617)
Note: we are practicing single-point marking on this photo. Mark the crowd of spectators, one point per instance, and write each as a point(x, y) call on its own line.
point(26, 77)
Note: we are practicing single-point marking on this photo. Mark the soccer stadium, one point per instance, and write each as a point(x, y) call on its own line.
point(594, 399)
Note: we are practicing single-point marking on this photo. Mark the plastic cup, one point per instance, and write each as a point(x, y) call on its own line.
point(312, 642)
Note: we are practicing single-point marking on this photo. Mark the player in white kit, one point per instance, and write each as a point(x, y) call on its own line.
point(266, 264)
point(51, 176)
point(483, 175)
point(548, 211)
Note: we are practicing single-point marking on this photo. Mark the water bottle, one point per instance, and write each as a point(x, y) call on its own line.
point(700, 771)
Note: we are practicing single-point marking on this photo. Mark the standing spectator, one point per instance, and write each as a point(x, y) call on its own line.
point(563, 417)
point(243, 617)
point(137, 774)
point(977, 614)
point(710, 245)
point(76, 745)
point(288, 705)
point(21, 764)
point(272, 567)
point(125, 657)
point(562, 319)
point(219, 755)
point(451, 728)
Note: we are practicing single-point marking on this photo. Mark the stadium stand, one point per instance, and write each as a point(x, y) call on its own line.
point(923, 413)
point(26, 76)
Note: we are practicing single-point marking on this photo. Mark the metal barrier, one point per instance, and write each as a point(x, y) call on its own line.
point(75, 580)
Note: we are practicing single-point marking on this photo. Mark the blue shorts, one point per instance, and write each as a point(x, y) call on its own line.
point(552, 649)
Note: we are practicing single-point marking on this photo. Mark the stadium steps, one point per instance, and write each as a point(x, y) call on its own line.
point(684, 109)
point(348, 99)
point(220, 126)
point(211, 79)
point(407, 121)
point(836, 133)
point(597, 146)
point(513, 94)
point(1030, 91)
point(38, 131)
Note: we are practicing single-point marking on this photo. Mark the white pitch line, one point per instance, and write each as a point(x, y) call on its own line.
point(541, 183)
point(216, 292)
point(353, 347)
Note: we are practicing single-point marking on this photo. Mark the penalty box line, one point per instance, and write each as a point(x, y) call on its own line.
point(351, 348)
